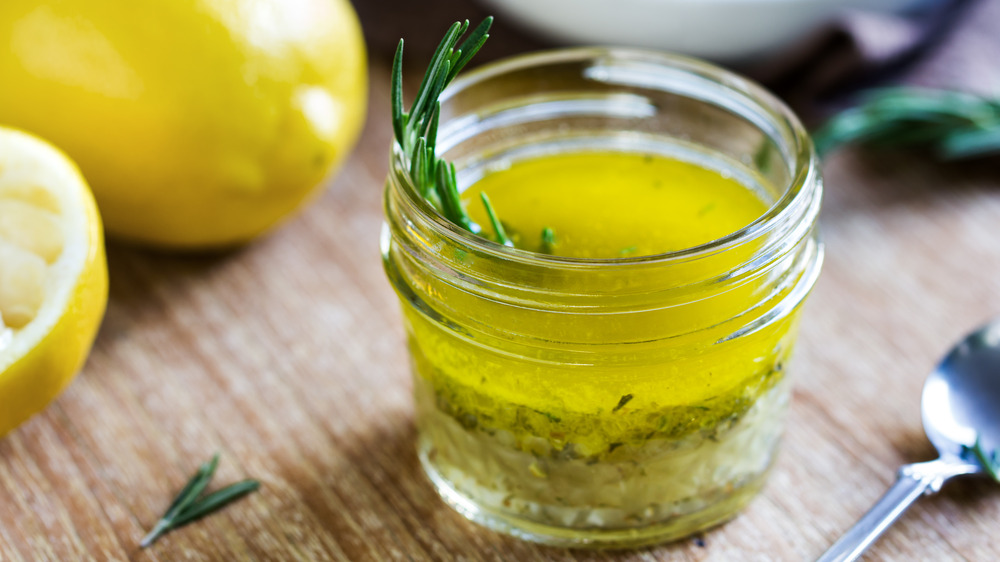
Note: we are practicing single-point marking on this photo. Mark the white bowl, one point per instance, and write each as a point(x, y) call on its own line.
point(721, 30)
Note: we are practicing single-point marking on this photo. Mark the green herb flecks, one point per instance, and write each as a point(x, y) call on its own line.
point(621, 403)
point(954, 125)
point(625, 252)
point(416, 130)
point(762, 158)
point(989, 462)
point(548, 241)
point(190, 504)
point(562, 433)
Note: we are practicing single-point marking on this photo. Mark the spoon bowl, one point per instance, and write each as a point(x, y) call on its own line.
point(961, 397)
point(960, 411)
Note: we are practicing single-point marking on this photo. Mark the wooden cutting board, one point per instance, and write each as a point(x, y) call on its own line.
point(287, 357)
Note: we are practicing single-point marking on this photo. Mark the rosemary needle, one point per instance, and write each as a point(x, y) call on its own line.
point(498, 229)
point(548, 240)
point(989, 462)
point(190, 504)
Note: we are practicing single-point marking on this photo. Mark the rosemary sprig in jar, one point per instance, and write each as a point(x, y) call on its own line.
point(955, 125)
point(416, 130)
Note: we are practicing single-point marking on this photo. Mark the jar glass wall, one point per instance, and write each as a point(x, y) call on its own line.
point(605, 402)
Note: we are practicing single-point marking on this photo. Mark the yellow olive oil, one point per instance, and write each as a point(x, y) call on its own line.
point(606, 205)
point(615, 204)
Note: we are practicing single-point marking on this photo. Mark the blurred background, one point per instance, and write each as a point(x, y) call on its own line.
point(814, 53)
point(287, 354)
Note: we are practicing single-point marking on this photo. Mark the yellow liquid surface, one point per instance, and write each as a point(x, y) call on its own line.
point(614, 204)
point(655, 374)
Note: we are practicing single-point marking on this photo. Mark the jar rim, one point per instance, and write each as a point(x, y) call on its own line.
point(794, 196)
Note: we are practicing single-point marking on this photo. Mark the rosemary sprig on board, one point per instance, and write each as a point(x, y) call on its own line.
point(190, 505)
point(416, 130)
point(954, 125)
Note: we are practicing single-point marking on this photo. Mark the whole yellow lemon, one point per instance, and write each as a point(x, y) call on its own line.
point(197, 123)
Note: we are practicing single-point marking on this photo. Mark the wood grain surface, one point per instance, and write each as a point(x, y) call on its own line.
point(287, 356)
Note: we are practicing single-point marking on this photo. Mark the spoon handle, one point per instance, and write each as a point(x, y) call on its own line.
point(912, 481)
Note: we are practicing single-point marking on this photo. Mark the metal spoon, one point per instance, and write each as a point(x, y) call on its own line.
point(960, 404)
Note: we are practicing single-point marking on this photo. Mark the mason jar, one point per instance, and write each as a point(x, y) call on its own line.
point(605, 402)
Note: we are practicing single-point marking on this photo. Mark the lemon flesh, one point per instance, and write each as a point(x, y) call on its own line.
point(53, 275)
point(198, 123)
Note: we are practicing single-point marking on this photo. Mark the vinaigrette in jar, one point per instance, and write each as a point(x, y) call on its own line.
point(619, 380)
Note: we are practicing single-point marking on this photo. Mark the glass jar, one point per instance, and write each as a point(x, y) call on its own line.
point(605, 402)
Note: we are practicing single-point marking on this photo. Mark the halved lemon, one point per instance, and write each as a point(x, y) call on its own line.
point(53, 274)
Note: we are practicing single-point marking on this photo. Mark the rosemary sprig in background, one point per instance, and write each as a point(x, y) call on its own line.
point(190, 505)
point(954, 125)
